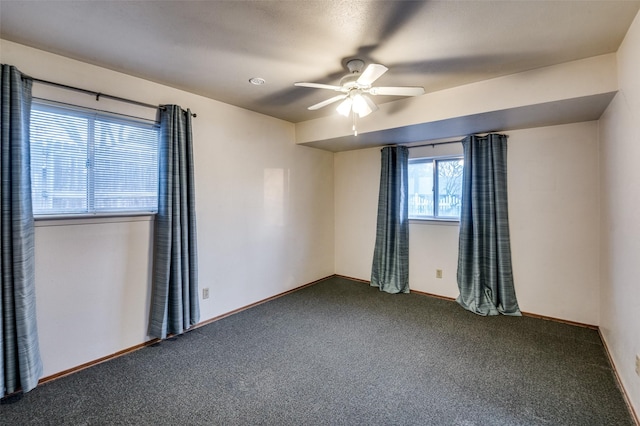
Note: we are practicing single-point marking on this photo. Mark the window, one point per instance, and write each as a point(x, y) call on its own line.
point(435, 188)
point(89, 162)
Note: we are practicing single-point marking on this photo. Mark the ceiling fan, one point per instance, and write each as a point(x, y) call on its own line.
point(356, 87)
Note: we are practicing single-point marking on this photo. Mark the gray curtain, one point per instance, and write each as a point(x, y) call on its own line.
point(174, 299)
point(390, 270)
point(21, 366)
point(485, 277)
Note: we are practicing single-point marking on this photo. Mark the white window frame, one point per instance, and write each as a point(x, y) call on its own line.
point(436, 217)
point(74, 110)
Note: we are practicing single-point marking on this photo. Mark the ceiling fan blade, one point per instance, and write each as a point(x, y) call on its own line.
point(319, 86)
point(397, 91)
point(371, 74)
point(327, 102)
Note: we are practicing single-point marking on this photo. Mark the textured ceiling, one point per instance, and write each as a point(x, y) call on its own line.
point(212, 48)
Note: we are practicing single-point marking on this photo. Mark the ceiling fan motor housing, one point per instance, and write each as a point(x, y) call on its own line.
point(355, 67)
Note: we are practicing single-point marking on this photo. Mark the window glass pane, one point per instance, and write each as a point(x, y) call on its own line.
point(125, 167)
point(58, 162)
point(449, 187)
point(421, 189)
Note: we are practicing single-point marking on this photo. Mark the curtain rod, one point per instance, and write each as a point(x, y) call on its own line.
point(98, 95)
point(442, 143)
point(96, 109)
point(432, 144)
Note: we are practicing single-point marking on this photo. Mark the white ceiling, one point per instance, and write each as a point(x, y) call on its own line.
point(212, 48)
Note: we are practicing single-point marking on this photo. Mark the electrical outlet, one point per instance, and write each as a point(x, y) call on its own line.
point(438, 273)
point(638, 365)
point(205, 293)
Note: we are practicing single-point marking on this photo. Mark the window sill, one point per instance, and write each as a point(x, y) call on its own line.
point(446, 222)
point(86, 219)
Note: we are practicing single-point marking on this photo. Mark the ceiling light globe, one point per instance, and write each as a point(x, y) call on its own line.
point(345, 107)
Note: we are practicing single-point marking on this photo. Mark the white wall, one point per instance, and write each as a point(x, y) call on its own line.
point(620, 217)
point(356, 180)
point(264, 212)
point(554, 213)
point(553, 208)
point(92, 289)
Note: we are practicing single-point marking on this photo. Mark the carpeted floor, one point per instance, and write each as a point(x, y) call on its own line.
point(343, 353)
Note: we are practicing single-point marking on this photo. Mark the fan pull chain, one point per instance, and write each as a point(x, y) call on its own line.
point(355, 131)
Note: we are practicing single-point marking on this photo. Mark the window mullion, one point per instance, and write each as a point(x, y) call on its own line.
point(91, 165)
point(435, 189)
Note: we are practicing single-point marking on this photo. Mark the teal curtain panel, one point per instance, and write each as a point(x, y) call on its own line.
point(19, 349)
point(174, 299)
point(390, 270)
point(485, 276)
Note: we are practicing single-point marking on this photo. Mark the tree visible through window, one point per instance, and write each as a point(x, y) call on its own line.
point(435, 188)
point(84, 162)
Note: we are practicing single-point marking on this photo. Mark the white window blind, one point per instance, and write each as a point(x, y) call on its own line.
point(88, 162)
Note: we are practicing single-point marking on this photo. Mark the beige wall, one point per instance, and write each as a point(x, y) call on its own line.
point(356, 185)
point(264, 213)
point(620, 217)
point(553, 211)
point(553, 208)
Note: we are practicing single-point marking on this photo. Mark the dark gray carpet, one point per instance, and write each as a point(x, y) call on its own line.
point(343, 353)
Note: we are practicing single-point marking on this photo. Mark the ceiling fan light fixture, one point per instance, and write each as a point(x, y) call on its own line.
point(363, 105)
point(360, 106)
point(345, 107)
